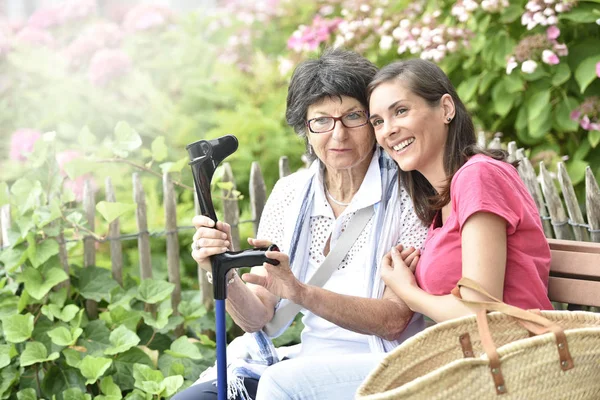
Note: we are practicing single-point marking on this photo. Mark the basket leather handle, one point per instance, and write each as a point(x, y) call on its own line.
point(534, 322)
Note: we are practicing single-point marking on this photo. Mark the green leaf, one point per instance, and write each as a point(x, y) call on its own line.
point(586, 72)
point(172, 383)
point(57, 379)
point(42, 216)
point(5, 355)
point(109, 388)
point(562, 115)
point(35, 353)
point(537, 103)
point(72, 357)
point(594, 138)
point(154, 291)
point(78, 167)
point(468, 88)
point(62, 336)
point(576, 170)
point(13, 258)
point(561, 74)
point(174, 166)
point(159, 149)
point(86, 138)
point(17, 328)
point(113, 210)
point(120, 316)
point(8, 377)
point(502, 99)
point(27, 394)
point(539, 126)
point(121, 339)
point(511, 14)
point(38, 284)
point(75, 394)
point(583, 13)
point(123, 365)
point(148, 379)
point(4, 194)
point(161, 320)
point(92, 368)
point(183, 348)
point(43, 251)
point(126, 139)
point(96, 283)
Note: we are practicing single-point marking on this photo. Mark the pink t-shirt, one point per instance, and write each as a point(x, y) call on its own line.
point(487, 185)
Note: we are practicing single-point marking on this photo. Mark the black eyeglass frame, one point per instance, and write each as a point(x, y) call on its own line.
point(336, 119)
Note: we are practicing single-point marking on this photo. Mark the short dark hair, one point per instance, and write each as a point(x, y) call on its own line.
point(337, 72)
point(428, 81)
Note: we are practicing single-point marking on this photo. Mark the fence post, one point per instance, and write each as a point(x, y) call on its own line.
point(528, 175)
point(481, 139)
point(172, 244)
point(6, 223)
point(592, 204)
point(512, 152)
point(495, 144)
point(555, 207)
point(573, 209)
point(139, 197)
point(284, 166)
point(258, 194)
point(231, 209)
point(114, 231)
point(89, 243)
point(205, 286)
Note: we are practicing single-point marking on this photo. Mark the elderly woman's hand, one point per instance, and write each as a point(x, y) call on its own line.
point(208, 240)
point(398, 267)
point(277, 279)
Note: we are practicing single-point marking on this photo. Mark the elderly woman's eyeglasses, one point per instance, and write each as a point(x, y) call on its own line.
point(353, 119)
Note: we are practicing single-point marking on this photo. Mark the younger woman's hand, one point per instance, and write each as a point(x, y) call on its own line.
point(397, 267)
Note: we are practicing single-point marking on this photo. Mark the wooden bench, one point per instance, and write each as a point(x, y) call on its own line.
point(574, 272)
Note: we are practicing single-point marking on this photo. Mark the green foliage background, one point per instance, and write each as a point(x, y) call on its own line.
point(189, 81)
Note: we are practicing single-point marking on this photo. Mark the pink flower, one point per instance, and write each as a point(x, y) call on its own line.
point(598, 69)
point(575, 114)
point(93, 38)
point(34, 36)
point(45, 17)
point(146, 16)
point(4, 44)
point(58, 14)
point(107, 64)
point(585, 122)
point(594, 126)
point(561, 49)
point(552, 32)
point(22, 142)
point(310, 37)
point(549, 57)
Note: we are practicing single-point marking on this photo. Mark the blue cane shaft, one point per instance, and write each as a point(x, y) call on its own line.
point(221, 350)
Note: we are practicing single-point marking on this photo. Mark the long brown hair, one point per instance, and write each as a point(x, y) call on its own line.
point(428, 81)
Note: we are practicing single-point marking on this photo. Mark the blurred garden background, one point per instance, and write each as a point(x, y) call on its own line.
point(91, 89)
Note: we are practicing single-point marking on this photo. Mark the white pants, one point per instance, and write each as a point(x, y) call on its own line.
point(317, 378)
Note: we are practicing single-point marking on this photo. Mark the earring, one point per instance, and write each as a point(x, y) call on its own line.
point(449, 119)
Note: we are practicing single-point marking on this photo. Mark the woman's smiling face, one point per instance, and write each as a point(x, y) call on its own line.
point(411, 130)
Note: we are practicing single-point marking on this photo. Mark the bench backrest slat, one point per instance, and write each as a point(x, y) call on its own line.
point(574, 272)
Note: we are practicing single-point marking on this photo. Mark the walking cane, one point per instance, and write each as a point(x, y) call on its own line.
point(205, 156)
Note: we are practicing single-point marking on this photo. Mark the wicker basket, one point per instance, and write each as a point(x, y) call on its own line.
point(512, 354)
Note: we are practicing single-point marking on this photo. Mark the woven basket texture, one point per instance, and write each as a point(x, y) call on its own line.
point(431, 365)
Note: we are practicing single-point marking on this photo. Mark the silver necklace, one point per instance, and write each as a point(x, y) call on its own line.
point(339, 203)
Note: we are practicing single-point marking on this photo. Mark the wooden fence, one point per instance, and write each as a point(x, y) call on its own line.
point(543, 189)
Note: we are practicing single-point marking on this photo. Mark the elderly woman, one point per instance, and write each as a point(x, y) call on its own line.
point(306, 215)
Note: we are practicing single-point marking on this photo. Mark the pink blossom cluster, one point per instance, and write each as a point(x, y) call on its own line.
point(107, 64)
point(31, 35)
point(94, 37)
point(22, 142)
point(463, 9)
point(143, 17)
point(544, 12)
point(535, 48)
point(588, 114)
point(59, 14)
point(308, 38)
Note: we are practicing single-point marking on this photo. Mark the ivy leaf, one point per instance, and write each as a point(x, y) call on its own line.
point(38, 284)
point(172, 383)
point(62, 336)
point(5, 355)
point(161, 319)
point(183, 348)
point(8, 377)
point(13, 258)
point(126, 139)
point(27, 394)
point(123, 364)
point(153, 291)
point(72, 357)
point(174, 166)
point(148, 379)
point(113, 210)
point(96, 283)
point(594, 138)
point(586, 72)
point(121, 339)
point(75, 394)
point(86, 138)
point(92, 368)
point(78, 167)
point(42, 216)
point(35, 353)
point(120, 316)
point(17, 328)
point(109, 388)
point(159, 149)
point(58, 379)
point(43, 252)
